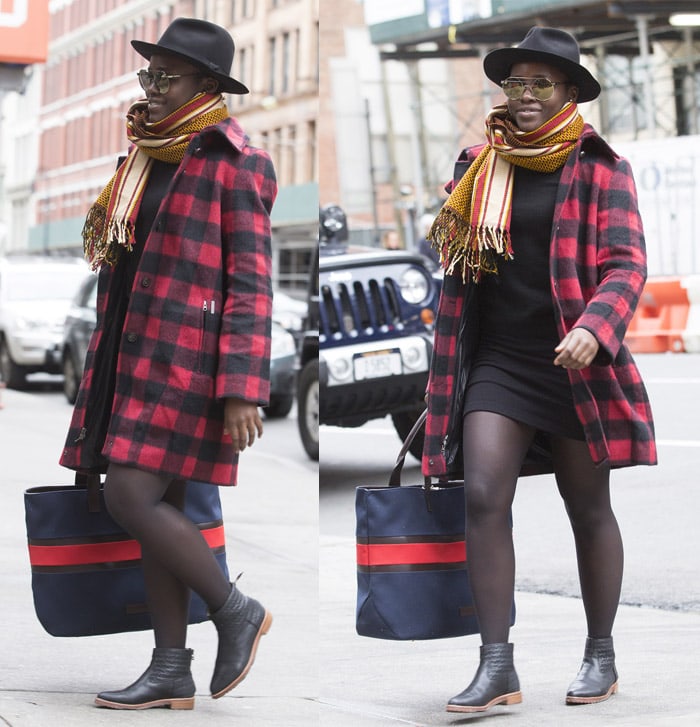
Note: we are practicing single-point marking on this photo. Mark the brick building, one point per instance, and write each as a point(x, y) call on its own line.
point(65, 134)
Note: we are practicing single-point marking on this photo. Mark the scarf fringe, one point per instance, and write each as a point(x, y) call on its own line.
point(102, 242)
point(471, 251)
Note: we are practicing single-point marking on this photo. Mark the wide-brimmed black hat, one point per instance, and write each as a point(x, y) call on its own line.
point(547, 45)
point(203, 44)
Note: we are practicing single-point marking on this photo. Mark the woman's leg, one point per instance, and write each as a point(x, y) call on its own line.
point(168, 597)
point(585, 490)
point(494, 449)
point(586, 493)
point(176, 556)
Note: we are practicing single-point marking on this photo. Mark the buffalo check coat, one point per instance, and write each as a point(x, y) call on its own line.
point(597, 273)
point(197, 326)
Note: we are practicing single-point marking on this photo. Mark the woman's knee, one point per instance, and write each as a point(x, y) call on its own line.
point(129, 493)
point(488, 498)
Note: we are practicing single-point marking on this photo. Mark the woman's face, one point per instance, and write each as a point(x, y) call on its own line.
point(529, 113)
point(181, 90)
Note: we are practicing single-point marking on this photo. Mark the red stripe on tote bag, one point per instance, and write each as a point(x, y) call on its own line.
point(117, 551)
point(378, 554)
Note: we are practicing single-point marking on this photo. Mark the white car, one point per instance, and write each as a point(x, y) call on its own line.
point(35, 294)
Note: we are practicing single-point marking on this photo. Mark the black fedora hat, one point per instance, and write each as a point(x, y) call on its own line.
point(201, 43)
point(548, 45)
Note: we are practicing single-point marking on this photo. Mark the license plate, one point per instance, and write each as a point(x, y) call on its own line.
point(377, 364)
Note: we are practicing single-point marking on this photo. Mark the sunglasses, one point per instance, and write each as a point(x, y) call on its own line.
point(159, 79)
point(541, 88)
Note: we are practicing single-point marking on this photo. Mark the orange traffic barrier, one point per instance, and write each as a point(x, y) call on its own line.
point(660, 319)
point(691, 335)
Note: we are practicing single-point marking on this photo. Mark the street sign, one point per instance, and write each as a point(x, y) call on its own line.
point(24, 31)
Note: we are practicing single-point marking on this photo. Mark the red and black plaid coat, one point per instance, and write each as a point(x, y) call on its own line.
point(597, 273)
point(197, 327)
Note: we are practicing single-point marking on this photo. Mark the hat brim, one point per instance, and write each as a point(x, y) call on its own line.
point(497, 65)
point(226, 83)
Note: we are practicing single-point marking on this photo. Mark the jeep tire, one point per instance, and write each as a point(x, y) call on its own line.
point(308, 408)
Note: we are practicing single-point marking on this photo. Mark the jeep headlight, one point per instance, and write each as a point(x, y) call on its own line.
point(415, 286)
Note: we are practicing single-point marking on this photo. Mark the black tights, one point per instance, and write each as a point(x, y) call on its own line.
point(494, 448)
point(176, 558)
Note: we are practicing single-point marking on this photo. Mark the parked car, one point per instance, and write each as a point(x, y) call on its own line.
point(374, 311)
point(289, 313)
point(35, 294)
point(282, 373)
point(69, 355)
point(308, 405)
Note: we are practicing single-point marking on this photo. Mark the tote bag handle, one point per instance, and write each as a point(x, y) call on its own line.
point(395, 477)
point(91, 482)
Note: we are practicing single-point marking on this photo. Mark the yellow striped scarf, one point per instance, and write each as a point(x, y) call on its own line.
point(109, 226)
point(472, 230)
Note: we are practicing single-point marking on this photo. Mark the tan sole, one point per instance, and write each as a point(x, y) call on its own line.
point(183, 703)
point(593, 700)
point(264, 628)
point(512, 698)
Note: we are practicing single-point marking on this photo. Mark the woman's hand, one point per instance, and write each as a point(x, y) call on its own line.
point(577, 349)
point(242, 422)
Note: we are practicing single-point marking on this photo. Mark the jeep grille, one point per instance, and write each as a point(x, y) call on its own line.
point(359, 309)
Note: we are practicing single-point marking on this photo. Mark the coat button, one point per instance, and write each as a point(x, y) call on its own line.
point(145, 283)
point(430, 461)
point(131, 337)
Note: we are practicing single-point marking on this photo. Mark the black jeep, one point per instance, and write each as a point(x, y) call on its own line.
point(374, 312)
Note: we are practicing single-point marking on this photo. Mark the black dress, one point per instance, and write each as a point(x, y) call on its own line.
point(512, 371)
point(99, 405)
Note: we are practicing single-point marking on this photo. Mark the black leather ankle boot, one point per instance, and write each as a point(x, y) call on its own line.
point(166, 683)
point(597, 678)
point(496, 682)
point(240, 622)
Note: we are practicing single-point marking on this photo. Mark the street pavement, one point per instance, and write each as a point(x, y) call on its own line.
point(312, 668)
point(657, 631)
point(271, 522)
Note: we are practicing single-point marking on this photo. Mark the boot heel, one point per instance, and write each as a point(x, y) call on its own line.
point(267, 622)
point(182, 703)
point(516, 698)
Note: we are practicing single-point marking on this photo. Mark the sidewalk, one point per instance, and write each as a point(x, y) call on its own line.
point(373, 683)
point(271, 522)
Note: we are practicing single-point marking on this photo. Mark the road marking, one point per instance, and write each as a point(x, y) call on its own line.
point(688, 443)
point(358, 430)
point(678, 442)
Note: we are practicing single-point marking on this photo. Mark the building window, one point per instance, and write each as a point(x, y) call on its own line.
point(272, 61)
point(286, 65)
point(243, 62)
point(311, 159)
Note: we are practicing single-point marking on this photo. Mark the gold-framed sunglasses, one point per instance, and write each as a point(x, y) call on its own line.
point(159, 79)
point(541, 88)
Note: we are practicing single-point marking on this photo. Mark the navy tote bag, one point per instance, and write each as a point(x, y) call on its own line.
point(412, 577)
point(86, 571)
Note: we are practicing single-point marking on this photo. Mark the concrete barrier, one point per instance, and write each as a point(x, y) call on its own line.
point(660, 321)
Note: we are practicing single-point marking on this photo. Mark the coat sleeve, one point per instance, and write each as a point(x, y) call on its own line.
point(245, 339)
point(620, 261)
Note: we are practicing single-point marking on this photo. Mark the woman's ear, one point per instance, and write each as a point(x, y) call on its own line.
point(573, 93)
point(210, 85)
